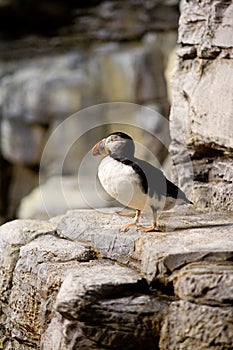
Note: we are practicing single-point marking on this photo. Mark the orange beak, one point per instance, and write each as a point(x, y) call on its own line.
point(99, 149)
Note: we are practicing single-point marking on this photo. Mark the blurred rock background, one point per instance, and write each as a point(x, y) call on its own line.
point(59, 57)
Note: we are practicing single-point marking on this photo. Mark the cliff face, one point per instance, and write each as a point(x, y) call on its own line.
point(76, 282)
point(201, 114)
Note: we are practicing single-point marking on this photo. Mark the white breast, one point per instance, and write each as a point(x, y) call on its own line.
point(122, 183)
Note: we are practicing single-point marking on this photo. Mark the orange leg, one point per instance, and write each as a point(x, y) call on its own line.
point(151, 228)
point(126, 227)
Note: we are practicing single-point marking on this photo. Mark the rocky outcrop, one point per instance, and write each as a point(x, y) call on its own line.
point(201, 114)
point(76, 282)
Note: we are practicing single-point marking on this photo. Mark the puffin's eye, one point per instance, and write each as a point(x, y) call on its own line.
point(114, 138)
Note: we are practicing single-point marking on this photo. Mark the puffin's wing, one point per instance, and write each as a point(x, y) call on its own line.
point(155, 178)
point(159, 184)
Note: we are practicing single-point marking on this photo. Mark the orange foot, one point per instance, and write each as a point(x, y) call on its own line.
point(151, 228)
point(126, 227)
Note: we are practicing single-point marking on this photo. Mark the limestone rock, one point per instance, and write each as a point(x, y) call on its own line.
point(34, 260)
point(35, 94)
point(186, 327)
point(22, 143)
point(201, 112)
point(36, 280)
point(76, 282)
point(111, 20)
point(137, 74)
point(206, 25)
point(97, 294)
point(97, 20)
point(111, 243)
point(205, 283)
point(5, 180)
point(196, 128)
point(13, 235)
point(188, 234)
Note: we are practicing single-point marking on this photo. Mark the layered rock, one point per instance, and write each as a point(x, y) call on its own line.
point(76, 282)
point(201, 114)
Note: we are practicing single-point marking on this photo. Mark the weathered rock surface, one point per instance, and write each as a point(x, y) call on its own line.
point(201, 114)
point(208, 27)
point(203, 327)
point(205, 283)
point(76, 282)
point(98, 305)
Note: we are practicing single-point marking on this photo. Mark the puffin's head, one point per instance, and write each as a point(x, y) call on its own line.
point(117, 144)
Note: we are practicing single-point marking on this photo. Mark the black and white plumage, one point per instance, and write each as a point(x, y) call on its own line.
point(133, 182)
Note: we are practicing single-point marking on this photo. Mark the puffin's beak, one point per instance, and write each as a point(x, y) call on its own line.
point(99, 149)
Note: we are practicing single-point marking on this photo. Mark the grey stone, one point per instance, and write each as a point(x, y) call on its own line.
point(201, 112)
point(111, 20)
point(104, 235)
point(103, 304)
point(194, 135)
point(206, 25)
point(221, 171)
point(21, 142)
point(13, 235)
point(136, 73)
point(186, 52)
point(202, 195)
point(36, 94)
point(23, 180)
point(191, 326)
point(222, 196)
point(98, 294)
point(5, 180)
point(84, 286)
point(158, 263)
point(186, 239)
point(22, 95)
point(37, 277)
point(191, 118)
point(205, 283)
point(77, 282)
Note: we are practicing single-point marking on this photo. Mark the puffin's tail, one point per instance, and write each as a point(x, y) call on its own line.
point(181, 195)
point(175, 192)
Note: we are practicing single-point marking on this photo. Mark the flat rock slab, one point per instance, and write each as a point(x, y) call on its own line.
point(192, 236)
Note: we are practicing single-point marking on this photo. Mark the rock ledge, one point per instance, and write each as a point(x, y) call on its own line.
point(76, 282)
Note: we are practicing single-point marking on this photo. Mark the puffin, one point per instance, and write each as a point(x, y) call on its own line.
point(134, 182)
